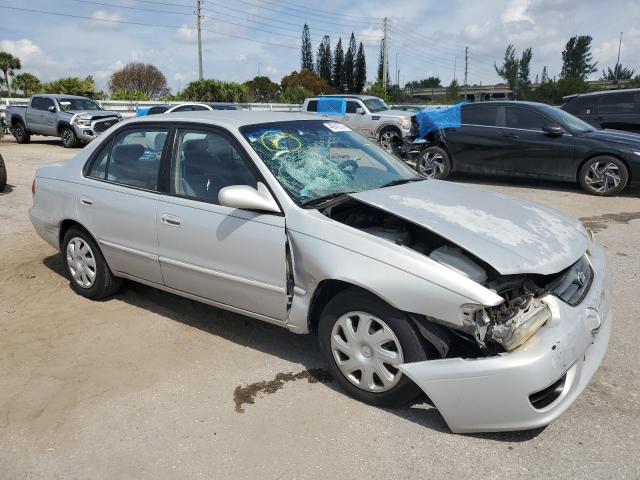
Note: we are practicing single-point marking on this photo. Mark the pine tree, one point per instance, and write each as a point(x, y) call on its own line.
point(323, 59)
point(349, 66)
point(306, 54)
point(360, 70)
point(338, 64)
point(381, 65)
point(544, 78)
point(524, 80)
point(577, 58)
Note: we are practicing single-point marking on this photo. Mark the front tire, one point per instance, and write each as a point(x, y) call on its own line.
point(603, 176)
point(390, 139)
point(20, 133)
point(363, 340)
point(3, 175)
point(68, 137)
point(86, 268)
point(434, 162)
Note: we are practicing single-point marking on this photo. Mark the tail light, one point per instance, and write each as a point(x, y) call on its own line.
point(33, 187)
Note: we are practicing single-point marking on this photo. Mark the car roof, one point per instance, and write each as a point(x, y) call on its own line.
point(339, 95)
point(229, 118)
point(605, 92)
point(60, 95)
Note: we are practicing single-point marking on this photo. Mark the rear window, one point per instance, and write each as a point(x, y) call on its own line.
point(480, 115)
point(617, 103)
point(581, 106)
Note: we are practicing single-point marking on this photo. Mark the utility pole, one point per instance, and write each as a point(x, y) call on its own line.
point(397, 71)
point(466, 70)
point(385, 56)
point(198, 18)
point(618, 61)
point(455, 65)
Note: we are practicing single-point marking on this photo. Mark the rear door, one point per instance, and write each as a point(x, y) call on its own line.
point(119, 199)
point(532, 152)
point(34, 115)
point(619, 111)
point(233, 257)
point(478, 145)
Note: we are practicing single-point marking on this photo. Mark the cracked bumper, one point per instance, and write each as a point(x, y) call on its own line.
point(492, 394)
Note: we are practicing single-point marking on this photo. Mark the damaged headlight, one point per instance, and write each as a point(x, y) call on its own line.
point(82, 121)
point(511, 325)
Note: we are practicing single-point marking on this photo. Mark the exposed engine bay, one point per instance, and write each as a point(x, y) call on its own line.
point(502, 327)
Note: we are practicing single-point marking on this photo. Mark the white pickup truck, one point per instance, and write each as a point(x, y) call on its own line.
point(74, 119)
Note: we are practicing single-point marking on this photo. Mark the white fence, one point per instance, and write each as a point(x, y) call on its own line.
point(128, 108)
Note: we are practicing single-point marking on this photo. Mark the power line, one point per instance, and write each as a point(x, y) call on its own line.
point(306, 12)
point(325, 11)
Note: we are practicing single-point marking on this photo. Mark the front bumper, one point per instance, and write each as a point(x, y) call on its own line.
point(87, 133)
point(492, 394)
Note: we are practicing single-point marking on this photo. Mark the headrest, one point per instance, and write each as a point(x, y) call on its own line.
point(127, 153)
point(194, 146)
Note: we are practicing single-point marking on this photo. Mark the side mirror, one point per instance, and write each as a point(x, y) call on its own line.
point(552, 129)
point(52, 109)
point(360, 111)
point(248, 198)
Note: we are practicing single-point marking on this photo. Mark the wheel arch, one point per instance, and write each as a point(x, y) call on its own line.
point(61, 124)
point(387, 126)
point(15, 119)
point(603, 154)
point(68, 223)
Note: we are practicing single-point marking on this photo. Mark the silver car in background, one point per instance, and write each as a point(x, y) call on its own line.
point(497, 309)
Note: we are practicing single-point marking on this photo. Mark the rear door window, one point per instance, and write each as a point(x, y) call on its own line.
point(480, 115)
point(312, 106)
point(616, 103)
point(525, 119)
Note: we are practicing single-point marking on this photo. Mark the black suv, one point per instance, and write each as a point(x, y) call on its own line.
point(532, 140)
point(614, 109)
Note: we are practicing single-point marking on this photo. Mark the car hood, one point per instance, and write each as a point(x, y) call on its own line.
point(93, 114)
point(393, 113)
point(614, 136)
point(513, 236)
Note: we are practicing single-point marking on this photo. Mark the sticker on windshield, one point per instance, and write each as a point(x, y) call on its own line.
point(337, 127)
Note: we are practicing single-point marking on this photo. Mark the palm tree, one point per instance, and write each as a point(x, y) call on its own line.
point(8, 63)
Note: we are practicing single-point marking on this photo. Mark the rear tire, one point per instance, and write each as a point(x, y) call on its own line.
point(3, 175)
point(85, 266)
point(20, 133)
point(377, 337)
point(604, 176)
point(68, 137)
point(434, 162)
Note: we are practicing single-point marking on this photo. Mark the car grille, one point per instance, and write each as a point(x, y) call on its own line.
point(572, 286)
point(101, 126)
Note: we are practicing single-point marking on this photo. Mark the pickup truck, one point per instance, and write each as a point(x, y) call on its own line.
point(74, 119)
point(371, 117)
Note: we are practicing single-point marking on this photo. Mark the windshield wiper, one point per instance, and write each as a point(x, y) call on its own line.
point(400, 181)
point(314, 202)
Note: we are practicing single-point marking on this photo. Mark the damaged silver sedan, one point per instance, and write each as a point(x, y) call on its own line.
point(496, 308)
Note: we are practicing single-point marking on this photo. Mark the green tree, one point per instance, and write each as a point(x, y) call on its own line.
point(211, 90)
point(619, 72)
point(323, 59)
point(453, 90)
point(28, 83)
point(545, 76)
point(262, 89)
point(360, 73)
point(8, 65)
point(381, 65)
point(129, 95)
point(295, 94)
point(509, 68)
point(349, 67)
point(524, 75)
point(306, 53)
point(337, 76)
point(577, 58)
point(378, 90)
point(307, 80)
point(140, 77)
point(85, 87)
point(429, 82)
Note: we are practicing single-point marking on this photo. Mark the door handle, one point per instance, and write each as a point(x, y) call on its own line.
point(171, 220)
point(86, 201)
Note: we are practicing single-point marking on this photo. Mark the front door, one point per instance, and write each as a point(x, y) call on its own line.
point(360, 122)
point(119, 206)
point(233, 257)
point(532, 152)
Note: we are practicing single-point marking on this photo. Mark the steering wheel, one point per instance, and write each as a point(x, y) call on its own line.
point(348, 166)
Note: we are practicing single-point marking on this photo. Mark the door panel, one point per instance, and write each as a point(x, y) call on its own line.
point(360, 123)
point(49, 119)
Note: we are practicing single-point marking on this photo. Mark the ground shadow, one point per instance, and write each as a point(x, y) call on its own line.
point(8, 188)
point(266, 338)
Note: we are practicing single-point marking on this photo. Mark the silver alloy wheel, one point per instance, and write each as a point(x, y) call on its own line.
point(82, 263)
point(431, 165)
point(366, 351)
point(387, 140)
point(66, 136)
point(603, 177)
point(19, 132)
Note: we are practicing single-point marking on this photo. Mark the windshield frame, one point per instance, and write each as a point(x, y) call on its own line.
point(308, 203)
point(368, 101)
point(59, 101)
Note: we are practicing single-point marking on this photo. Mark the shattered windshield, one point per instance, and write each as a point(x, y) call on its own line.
point(314, 159)
point(67, 104)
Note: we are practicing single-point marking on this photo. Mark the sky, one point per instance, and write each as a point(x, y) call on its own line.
point(242, 38)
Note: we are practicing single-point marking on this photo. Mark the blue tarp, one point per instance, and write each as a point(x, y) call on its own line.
point(332, 106)
point(438, 119)
point(142, 111)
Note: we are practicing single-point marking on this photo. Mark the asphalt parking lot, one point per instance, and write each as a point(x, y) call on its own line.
point(150, 385)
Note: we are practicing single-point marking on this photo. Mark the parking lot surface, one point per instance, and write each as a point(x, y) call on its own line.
point(150, 385)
